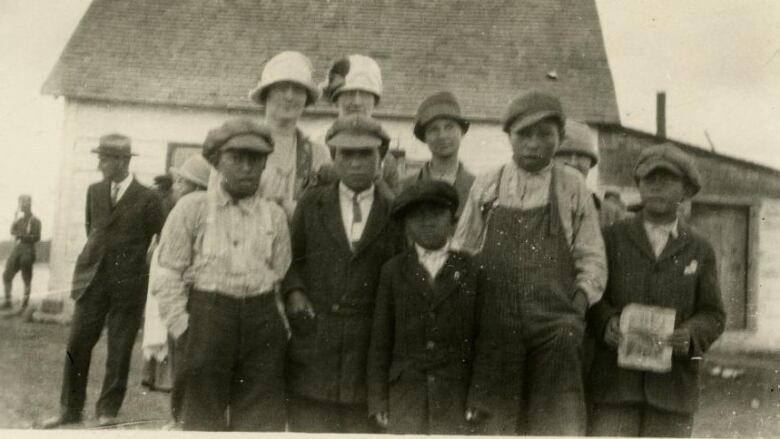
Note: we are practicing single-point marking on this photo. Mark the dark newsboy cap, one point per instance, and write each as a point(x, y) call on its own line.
point(439, 105)
point(240, 134)
point(357, 131)
point(425, 191)
point(532, 107)
point(671, 158)
point(116, 145)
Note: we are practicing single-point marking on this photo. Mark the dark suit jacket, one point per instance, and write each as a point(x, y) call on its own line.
point(327, 357)
point(684, 278)
point(117, 238)
point(419, 363)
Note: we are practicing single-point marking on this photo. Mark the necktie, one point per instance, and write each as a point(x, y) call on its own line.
point(357, 218)
point(114, 194)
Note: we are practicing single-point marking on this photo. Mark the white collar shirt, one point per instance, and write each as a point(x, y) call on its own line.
point(525, 190)
point(658, 235)
point(122, 185)
point(433, 260)
point(354, 229)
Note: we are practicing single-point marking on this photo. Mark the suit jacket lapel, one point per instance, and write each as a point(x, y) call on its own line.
point(639, 236)
point(417, 276)
point(330, 215)
point(446, 282)
point(674, 246)
point(128, 198)
point(378, 217)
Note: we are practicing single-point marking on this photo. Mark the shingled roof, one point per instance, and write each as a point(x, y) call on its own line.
point(210, 53)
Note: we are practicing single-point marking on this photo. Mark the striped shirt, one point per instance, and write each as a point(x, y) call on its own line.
point(213, 243)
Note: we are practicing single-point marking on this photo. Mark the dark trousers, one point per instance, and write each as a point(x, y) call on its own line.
point(234, 369)
point(177, 351)
point(21, 259)
point(639, 420)
point(311, 416)
point(104, 303)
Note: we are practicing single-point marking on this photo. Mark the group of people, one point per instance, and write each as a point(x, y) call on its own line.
point(308, 288)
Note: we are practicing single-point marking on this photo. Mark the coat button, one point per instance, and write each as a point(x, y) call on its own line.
point(430, 345)
point(335, 307)
point(431, 378)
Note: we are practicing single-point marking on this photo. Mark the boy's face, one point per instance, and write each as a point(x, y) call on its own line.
point(429, 225)
point(533, 146)
point(662, 192)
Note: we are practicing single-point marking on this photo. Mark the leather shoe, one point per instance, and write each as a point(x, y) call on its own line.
point(106, 420)
point(59, 420)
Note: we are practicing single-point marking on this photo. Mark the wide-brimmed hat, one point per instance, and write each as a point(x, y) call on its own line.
point(357, 131)
point(579, 140)
point(671, 158)
point(424, 192)
point(287, 66)
point(531, 108)
point(195, 170)
point(115, 145)
point(241, 134)
point(354, 72)
point(439, 105)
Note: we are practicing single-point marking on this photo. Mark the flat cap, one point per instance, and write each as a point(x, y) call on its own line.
point(668, 156)
point(425, 192)
point(579, 139)
point(439, 105)
point(240, 133)
point(357, 131)
point(116, 145)
point(533, 107)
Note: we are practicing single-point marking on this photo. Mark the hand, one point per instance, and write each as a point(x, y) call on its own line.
point(612, 335)
point(297, 302)
point(381, 419)
point(680, 340)
point(580, 301)
point(475, 416)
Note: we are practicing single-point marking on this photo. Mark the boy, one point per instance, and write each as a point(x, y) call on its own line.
point(655, 259)
point(419, 362)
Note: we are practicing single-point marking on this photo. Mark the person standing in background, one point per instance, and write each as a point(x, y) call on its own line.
point(26, 230)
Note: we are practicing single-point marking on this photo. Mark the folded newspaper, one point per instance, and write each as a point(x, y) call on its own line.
point(646, 330)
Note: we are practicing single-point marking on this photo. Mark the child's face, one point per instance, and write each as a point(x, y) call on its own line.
point(429, 225)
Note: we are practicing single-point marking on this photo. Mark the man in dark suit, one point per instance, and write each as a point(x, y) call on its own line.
point(109, 281)
point(341, 235)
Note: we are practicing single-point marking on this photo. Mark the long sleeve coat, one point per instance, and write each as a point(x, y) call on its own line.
point(422, 343)
point(684, 277)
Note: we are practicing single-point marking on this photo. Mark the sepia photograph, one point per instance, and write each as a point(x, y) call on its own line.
point(390, 217)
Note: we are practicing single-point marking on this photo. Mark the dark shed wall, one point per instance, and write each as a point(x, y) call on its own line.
point(722, 176)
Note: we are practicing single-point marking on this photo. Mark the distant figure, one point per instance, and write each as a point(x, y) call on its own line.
point(26, 230)
point(109, 282)
point(163, 184)
point(613, 209)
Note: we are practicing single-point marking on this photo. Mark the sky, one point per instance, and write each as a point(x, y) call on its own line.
point(717, 60)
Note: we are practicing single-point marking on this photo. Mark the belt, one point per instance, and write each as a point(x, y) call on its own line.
point(255, 299)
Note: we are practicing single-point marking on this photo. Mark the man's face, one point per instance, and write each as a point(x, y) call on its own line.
point(534, 145)
point(443, 137)
point(578, 161)
point(113, 167)
point(356, 167)
point(25, 204)
point(429, 225)
point(285, 101)
point(241, 170)
point(662, 192)
point(355, 102)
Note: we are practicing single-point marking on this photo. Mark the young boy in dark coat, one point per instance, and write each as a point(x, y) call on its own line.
point(655, 259)
point(419, 361)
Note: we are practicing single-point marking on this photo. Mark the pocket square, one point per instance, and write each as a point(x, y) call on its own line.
point(691, 268)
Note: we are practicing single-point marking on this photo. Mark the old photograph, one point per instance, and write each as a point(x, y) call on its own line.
point(390, 217)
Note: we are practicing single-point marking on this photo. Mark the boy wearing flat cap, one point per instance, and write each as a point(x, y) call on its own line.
point(341, 236)
point(441, 127)
point(419, 363)
point(222, 254)
point(655, 259)
point(536, 229)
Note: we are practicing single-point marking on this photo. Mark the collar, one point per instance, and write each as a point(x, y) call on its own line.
point(224, 199)
point(424, 253)
point(672, 229)
point(347, 192)
point(125, 182)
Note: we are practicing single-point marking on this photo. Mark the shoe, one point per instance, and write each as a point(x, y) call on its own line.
point(106, 420)
point(60, 420)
